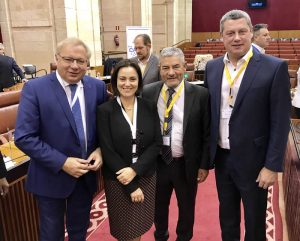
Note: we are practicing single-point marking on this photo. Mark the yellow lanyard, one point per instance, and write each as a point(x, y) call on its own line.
point(168, 109)
point(228, 77)
point(232, 81)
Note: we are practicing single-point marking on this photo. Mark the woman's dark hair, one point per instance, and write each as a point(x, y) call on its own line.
point(123, 64)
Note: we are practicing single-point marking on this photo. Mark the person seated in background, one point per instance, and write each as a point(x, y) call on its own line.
point(3, 182)
point(7, 66)
point(129, 132)
point(261, 37)
point(148, 62)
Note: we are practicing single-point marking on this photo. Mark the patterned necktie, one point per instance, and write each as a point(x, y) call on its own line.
point(78, 119)
point(166, 150)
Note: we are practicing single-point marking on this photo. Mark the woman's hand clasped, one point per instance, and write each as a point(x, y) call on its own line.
point(125, 175)
point(137, 196)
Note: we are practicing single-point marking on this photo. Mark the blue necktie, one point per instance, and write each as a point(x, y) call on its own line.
point(167, 150)
point(78, 119)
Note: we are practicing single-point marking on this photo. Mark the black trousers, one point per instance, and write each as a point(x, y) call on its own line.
point(173, 177)
point(233, 188)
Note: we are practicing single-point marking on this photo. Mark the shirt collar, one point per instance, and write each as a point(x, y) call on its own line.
point(140, 62)
point(260, 49)
point(64, 83)
point(243, 59)
point(165, 87)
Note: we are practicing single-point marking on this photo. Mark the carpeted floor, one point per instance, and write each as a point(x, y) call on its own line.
point(206, 226)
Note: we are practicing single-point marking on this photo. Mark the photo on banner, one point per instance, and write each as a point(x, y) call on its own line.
point(131, 33)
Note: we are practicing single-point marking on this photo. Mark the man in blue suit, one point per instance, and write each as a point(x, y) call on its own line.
point(250, 106)
point(56, 127)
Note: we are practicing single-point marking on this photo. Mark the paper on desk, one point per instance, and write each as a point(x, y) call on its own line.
point(8, 162)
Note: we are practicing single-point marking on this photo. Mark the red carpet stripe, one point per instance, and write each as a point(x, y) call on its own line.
point(206, 226)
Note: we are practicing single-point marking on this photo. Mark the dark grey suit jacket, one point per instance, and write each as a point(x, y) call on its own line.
point(151, 73)
point(196, 126)
point(7, 66)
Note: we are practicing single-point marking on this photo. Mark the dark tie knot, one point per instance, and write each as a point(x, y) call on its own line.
point(171, 91)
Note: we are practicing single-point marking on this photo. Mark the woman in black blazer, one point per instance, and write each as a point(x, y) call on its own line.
point(3, 182)
point(130, 141)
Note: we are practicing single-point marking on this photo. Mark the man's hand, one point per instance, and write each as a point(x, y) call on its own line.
point(137, 196)
point(266, 178)
point(202, 175)
point(3, 186)
point(75, 167)
point(95, 160)
point(125, 175)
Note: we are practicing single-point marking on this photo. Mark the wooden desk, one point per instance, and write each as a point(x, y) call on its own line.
point(19, 219)
point(291, 182)
point(9, 149)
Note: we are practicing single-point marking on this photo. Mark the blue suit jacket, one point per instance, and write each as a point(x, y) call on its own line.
point(46, 132)
point(259, 123)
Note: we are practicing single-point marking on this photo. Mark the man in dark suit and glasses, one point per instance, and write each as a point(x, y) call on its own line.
point(7, 66)
point(183, 109)
point(250, 106)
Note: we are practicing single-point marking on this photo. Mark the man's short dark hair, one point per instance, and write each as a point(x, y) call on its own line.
point(146, 38)
point(259, 26)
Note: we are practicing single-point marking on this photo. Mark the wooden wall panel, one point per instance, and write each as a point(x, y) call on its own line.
point(291, 182)
point(19, 219)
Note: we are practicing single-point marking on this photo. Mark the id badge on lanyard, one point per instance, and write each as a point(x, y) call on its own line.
point(131, 125)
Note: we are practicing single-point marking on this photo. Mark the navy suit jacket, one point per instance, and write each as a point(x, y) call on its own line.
point(46, 132)
point(7, 66)
point(259, 123)
point(151, 73)
point(196, 126)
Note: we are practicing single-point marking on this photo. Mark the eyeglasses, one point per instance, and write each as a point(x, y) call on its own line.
point(70, 60)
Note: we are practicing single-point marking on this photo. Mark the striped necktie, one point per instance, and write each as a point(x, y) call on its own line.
point(167, 150)
point(76, 110)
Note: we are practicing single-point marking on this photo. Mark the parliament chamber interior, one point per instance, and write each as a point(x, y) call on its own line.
point(30, 30)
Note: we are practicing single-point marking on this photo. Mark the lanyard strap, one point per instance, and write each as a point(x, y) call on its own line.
point(168, 108)
point(131, 125)
point(228, 77)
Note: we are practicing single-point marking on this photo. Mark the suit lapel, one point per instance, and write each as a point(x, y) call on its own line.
point(248, 77)
point(157, 90)
point(189, 97)
point(63, 101)
point(150, 62)
point(88, 97)
point(216, 85)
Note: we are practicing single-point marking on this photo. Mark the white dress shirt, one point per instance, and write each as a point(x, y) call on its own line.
point(225, 109)
point(67, 89)
point(260, 49)
point(177, 121)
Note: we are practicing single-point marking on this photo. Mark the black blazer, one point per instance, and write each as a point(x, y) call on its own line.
point(196, 126)
point(2, 167)
point(115, 140)
point(7, 65)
